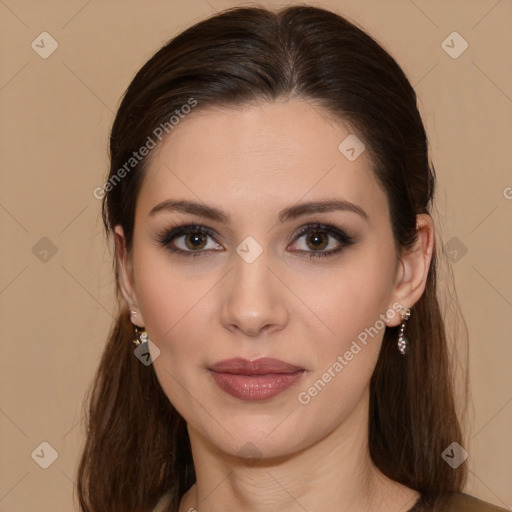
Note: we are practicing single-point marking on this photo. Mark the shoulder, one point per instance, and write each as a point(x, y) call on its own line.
point(462, 502)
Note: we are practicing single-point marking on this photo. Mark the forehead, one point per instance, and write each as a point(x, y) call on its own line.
point(257, 157)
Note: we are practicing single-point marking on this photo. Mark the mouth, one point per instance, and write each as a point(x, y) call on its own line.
point(256, 380)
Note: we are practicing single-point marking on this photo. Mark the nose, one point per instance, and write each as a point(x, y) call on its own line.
point(255, 298)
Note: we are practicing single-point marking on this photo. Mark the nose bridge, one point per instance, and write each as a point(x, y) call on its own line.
point(253, 300)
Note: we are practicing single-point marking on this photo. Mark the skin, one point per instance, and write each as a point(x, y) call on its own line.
point(253, 162)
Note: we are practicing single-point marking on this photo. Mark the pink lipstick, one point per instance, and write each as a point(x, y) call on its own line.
point(259, 379)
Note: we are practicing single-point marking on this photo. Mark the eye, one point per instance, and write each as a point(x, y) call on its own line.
point(190, 240)
point(316, 237)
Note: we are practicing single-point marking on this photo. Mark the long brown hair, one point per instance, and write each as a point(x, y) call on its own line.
point(137, 446)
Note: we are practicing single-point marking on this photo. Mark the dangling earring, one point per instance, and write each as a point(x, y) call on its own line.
point(141, 336)
point(403, 342)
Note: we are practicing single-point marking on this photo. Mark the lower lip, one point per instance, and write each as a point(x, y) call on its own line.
point(255, 387)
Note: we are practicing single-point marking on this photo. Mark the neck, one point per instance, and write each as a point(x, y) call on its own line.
point(335, 473)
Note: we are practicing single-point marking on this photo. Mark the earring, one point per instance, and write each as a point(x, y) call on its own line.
point(141, 336)
point(403, 342)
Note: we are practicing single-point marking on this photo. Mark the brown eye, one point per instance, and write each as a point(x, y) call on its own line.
point(189, 240)
point(317, 241)
point(195, 241)
point(318, 237)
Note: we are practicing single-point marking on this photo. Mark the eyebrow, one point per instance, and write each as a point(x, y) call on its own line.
point(290, 213)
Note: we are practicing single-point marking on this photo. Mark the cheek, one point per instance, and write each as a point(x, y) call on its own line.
point(170, 304)
point(351, 299)
point(344, 362)
point(173, 311)
point(352, 308)
point(178, 305)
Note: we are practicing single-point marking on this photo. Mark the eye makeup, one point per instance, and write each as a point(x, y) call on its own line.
point(169, 236)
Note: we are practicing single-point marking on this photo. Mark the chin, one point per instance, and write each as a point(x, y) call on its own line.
point(255, 440)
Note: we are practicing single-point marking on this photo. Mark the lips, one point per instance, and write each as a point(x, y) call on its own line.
point(259, 379)
point(260, 366)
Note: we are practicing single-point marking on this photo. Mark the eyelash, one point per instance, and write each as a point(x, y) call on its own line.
point(165, 238)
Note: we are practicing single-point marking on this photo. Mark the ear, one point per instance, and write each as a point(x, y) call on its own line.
point(413, 268)
point(125, 266)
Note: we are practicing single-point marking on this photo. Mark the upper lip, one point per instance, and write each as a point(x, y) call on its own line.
point(260, 366)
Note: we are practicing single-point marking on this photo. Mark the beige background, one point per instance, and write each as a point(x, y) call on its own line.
point(56, 113)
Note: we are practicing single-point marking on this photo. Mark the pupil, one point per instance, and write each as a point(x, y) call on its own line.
point(316, 239)
point(195, 239)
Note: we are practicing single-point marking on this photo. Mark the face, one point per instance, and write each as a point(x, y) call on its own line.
point(258, 271)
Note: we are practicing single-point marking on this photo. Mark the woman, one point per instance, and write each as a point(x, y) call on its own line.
point(269, 198)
